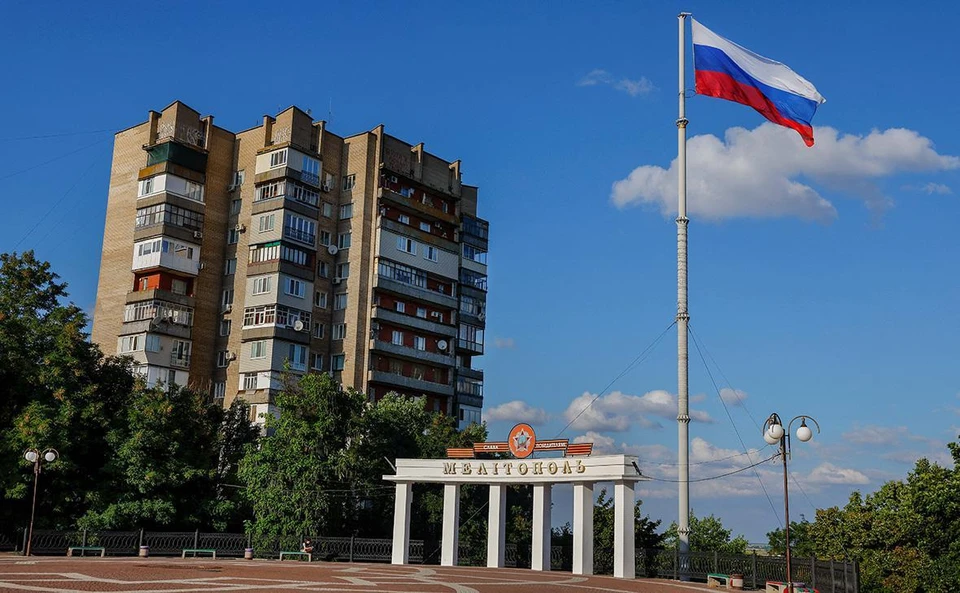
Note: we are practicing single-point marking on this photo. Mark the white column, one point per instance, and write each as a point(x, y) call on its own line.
point(496, 526)
point(449, 546)
point(401, 523)
point(540, 557)
point(624, 554)
point(583, 528)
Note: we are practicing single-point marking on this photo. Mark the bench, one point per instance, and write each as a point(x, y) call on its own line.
point(82, 549)
point(781, 587)
point(718, 580)
point(308, 555)
point(196, 551)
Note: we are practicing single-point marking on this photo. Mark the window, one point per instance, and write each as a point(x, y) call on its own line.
point(320, 299)
point(273, 189)
point(302, 193)
point(349, 182)
point(238, 178)
point(219, 389)
point(233, 236)
point(299, 228)
point(425, 226)
point(316, 362)
point(324, 237)
point(406, 192)
point(235, 206)
point(343, 270)
point(339, 301)
point(225, 327)
point(266, 222)
point(417, 372)
point(298, 357)
point(169, 214)
point(130, 344)
point(249, 381)
point(181, 351)
point(473, 279)
point(400, 307)
point(402, 273)
point(258, 349)
point(226, 297)
point(177, 286)
point(421, 312)
point(278, 158)
point(194, 191)
point(311, 166)
point(152, 343)
point(472, 253)
point(230, 266)
point(346, 211)
point(403, 219)
point(343, 240)
point(396, 367)
point(294, 287)
point(430, 252)
point(292, 254)
point(146, 187)
point(323, 269)
point(326, 209)
point(407, 245)
point(397, 337)
point(318, 331)
point(222, 359)
point(336, 362)
point(339, 331)
point(420, 343)
point(261, 285)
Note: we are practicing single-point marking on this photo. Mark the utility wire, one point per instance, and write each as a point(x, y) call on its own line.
point(743, 403)
point(636, 362)
point(54, 159)
point(696, 343)
point(718, 460)
point(61, 135)
point(717, 477)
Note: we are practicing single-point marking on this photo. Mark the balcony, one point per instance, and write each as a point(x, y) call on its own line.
point(470, 373)
point(157, 326)
point(413, 321)
point(178, 154)
point(298, 235)
point(168, 260)
point(417, 205)
point(179, 360)
point(412, 353)
point(309, 178)
point(409, 383)
point(412, 290)
point(469, 346)
point(466, 399)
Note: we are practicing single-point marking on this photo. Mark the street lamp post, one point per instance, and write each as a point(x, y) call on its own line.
point(37, 458)
point(773, 433)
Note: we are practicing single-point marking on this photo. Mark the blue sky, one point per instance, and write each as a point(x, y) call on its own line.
point(823, 280)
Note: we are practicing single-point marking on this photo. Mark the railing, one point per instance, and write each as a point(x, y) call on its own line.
point(310, 178)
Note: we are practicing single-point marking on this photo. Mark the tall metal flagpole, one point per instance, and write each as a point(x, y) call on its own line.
point(683, 317)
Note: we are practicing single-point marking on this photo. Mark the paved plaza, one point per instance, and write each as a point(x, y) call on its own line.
point(166, 575)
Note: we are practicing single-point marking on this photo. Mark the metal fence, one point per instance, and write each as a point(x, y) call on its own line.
point(826, 576)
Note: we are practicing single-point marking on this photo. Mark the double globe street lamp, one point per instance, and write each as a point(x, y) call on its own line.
point(36, 457)
point(773, 433)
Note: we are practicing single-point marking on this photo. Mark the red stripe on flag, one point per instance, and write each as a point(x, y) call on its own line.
point(723, 86)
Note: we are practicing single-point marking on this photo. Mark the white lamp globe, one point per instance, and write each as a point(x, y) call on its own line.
point(50, 456)
point(804, 433)
point(775, 431)
point(770, 440)
point(31, 456)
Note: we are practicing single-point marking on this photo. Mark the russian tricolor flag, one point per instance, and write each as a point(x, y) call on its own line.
point(727, 71)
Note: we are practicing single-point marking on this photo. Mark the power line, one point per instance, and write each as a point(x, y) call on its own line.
point(717, 477)
point(718, 460)
point(61, 135)
point(54, 159)
point(636, 362)
point(696, 343)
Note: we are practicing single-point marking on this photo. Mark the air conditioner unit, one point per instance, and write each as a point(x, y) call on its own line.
point(198, 234)
point(227, 308)
point(393, 179)
point(240, 228)
point(337, 280)
point(230, 355)
point(233, 187)
point(326, 187)
point(436, 314)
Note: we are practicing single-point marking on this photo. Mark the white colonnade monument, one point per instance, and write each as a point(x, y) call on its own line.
point(576, 466)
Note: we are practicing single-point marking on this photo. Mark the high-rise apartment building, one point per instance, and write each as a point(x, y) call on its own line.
point(229, 258)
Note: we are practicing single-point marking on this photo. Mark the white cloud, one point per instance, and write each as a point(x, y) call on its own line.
point(504, 343)
point(608, 445)
point(930, 189)
point(634, 88)
point(733, 397)
point(516, 410)
point(876, 435)
point(702, 451)
point(757, 173)
point(618, 412)
point(827, 473)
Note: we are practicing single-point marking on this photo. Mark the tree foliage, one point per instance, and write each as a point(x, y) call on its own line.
point(707, 534)
point(801, 542)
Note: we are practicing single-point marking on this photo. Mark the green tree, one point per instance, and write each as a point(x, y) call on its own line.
point(707, 534)
point(801, 542)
